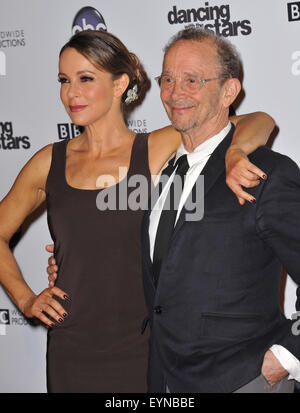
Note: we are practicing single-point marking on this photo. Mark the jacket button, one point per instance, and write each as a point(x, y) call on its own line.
point(158, 309)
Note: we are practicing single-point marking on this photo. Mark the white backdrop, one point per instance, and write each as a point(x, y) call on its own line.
point(267, 34)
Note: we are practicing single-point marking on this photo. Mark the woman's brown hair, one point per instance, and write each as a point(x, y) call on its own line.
point(107, 52)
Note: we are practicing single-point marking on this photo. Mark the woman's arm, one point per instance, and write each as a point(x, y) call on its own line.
point(252, 131)
point(27, 193)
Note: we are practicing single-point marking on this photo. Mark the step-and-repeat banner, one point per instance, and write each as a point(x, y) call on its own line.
point(266, 32)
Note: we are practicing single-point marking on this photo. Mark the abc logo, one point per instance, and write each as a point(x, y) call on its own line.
point(88, 18)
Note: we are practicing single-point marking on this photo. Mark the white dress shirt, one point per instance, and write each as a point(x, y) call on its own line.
point(197, 161)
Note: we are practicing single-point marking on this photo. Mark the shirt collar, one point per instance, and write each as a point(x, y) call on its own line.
point(203, 150)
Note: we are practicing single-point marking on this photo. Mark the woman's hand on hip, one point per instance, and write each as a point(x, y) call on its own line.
point(52, 267)
point(44, 305)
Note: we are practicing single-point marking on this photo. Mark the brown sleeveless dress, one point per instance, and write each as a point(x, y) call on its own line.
point(99, 346)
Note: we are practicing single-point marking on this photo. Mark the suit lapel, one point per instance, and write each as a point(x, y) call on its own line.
point(211, 172)
point(156, 191)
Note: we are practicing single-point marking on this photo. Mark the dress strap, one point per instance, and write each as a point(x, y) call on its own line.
point(56, 176)
point(139, 161)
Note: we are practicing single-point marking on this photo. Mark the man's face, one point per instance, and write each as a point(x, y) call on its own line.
point(188, 111)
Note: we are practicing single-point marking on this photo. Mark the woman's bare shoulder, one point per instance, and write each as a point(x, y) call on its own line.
point(42, 157)
point(167, 136)
point(36, 170)
point(163, 143)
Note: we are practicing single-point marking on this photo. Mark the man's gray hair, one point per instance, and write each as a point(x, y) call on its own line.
point(228, 56)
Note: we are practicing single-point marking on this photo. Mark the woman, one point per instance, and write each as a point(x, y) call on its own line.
point(95, 310)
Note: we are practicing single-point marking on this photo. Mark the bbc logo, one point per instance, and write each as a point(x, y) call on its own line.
point(68, 131)
point(4, 321)
point(294, 11)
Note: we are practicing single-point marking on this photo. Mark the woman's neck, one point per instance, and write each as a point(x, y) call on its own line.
point(104, 135)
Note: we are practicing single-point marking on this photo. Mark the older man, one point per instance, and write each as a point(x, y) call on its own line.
point(212, 284)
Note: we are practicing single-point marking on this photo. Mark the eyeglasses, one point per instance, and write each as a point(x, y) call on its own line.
point(189, 83)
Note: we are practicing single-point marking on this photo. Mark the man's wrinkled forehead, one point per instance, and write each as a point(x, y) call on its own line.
point(191, 54)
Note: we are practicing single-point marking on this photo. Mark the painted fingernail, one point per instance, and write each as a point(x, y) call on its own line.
point(264, 177)
point(65, 315)
point(66, 297)
point(253, 200)
point(60, 320)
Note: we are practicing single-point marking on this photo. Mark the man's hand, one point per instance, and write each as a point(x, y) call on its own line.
point(240, 172)
point(272, 370)
point(52, 268)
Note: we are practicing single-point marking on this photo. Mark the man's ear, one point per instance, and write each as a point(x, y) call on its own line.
point(231, 89)
point(120, 85)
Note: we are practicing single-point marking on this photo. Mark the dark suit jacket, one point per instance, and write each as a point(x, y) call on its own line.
point(216, 311)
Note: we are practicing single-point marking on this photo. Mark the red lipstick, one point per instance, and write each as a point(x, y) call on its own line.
point(77, 108)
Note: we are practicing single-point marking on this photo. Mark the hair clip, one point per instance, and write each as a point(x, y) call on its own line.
point(131, 95)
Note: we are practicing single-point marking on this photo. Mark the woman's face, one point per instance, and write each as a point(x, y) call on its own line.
point(87, 93)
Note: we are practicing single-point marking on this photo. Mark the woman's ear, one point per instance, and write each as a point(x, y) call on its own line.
point(120, 85)
point(231, 89)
